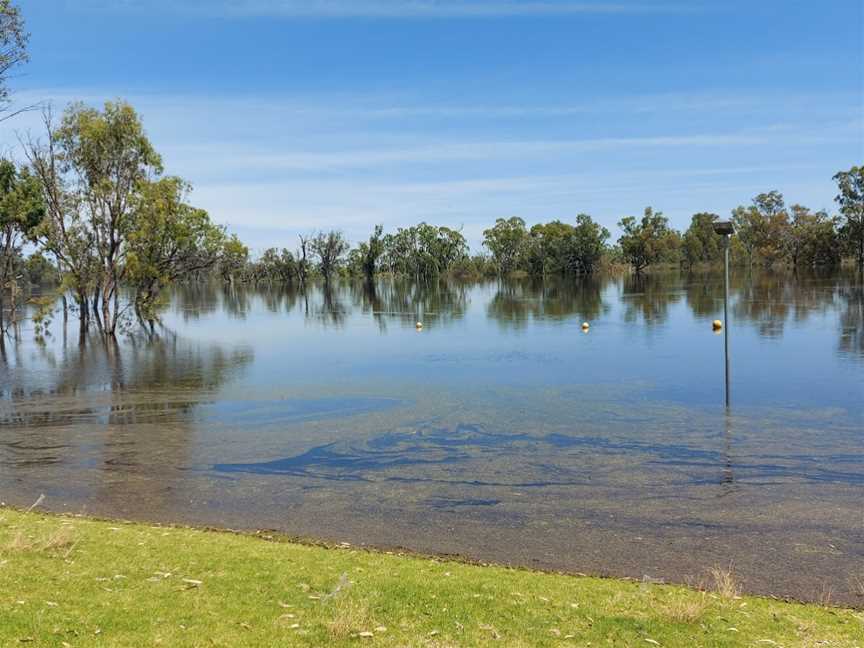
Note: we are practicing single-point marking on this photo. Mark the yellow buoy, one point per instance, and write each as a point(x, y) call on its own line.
point(585, 326)
point(419, 325)
point(717, 325)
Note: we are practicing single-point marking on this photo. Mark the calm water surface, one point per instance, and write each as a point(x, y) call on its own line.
point(500, 431)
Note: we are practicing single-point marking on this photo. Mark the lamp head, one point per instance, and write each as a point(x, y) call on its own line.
point(724, 228)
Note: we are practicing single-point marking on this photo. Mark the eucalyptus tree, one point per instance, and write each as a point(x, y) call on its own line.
point(233, 260)
point(303, 259)
point(423, 251)
point(562, 248)
point(274, 266)
point(329, 248)
point(92, 169)
point(850, 197)
point(762, 227)
point(21, 210)
point(170, 240)
point(508, 242)
point(812, 238)
point(700, 244)
point(371, 251)
point(648, 240)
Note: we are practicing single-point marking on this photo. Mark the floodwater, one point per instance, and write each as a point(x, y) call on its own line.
point(500, 431)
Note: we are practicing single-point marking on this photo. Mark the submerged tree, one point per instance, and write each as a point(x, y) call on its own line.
point(508, 241)
point(561, 248)
point(21, 210)
point(700, 244)
point(762, 227)
point(649, 240)
point(235, 256)
point(274, 267)
point(170, 240)
point(329, 248)
point(850, 197)
point(363, 260)
point(423, 251)
point(92, 170)
point(811, 238)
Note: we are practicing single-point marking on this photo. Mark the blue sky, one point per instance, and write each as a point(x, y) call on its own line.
point(289, 116)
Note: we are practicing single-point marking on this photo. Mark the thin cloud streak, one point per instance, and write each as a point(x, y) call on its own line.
point(335, 9)
point(467, 151)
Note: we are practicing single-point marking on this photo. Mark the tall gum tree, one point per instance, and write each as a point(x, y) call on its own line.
point(92, 169)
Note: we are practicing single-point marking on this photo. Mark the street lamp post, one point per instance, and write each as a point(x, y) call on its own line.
point(725, 229)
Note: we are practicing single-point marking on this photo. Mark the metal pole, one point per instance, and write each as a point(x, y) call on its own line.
point(726, 314)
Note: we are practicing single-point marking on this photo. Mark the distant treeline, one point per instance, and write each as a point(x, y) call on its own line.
point(767, 234)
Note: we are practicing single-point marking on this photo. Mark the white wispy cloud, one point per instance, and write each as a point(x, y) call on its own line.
point(394, 8)
point(457, 151)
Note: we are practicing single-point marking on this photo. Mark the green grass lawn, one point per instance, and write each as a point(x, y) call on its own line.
point(68, 581)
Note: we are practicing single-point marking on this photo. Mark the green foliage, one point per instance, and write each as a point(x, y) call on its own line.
point(508, 242)
point(40, 271)
point(273, 266)
point(423, 251)
point(850, 197)
point(768, 233)
point(91, 171)
point(234, 258)
point(363, 260)
point(700, 244)
point(649, 240)
point(13, 45)
point(812, 238)
point(329, 248)
point(561, 248)
point(169, 240)
point(21, 211)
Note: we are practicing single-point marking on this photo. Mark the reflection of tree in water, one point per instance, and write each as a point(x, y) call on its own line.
point(235, 301)
point(192, 300)
point(769, 299)
point(850, 291)
point(116, 419)
point(280, 298)
point(704, 293)
point(323, 304)
point(436, 303)
point(648, 296)
point(518, 302)
point(156, 361)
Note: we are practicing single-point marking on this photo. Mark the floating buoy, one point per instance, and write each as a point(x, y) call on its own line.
point(585, 326)
point(419, 325)
point(717, 325)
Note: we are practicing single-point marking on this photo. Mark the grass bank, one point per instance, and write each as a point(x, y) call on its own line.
point(67, 581)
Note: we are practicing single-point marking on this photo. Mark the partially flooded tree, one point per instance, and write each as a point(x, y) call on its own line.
point(423, 251)
point(700, 244)
point(762, 227)
point(508, 242)
point(21, 210)
point(170, 241)
point(328, 248)
point(562, 248)
point(92, 168)
point(850, 197)
point(649, 240)
point(233, 260)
